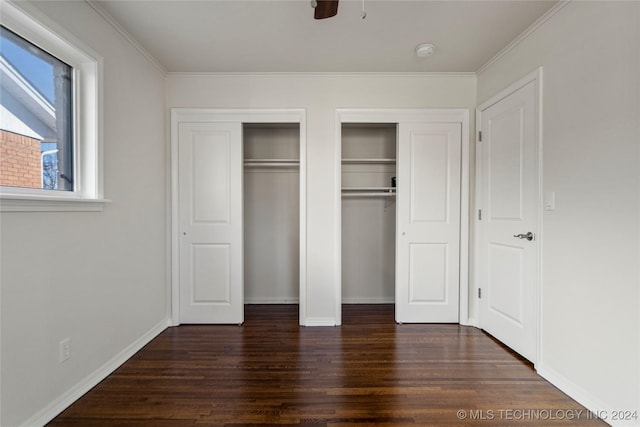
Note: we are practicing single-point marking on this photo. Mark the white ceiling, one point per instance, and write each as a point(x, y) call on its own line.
point(282, 36)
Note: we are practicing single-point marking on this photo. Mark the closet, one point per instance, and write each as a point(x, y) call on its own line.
point(238, 212)
point(271, 191)
point(401, 213)
point(368, 176)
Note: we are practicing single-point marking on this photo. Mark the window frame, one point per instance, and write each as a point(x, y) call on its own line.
point(87, 195)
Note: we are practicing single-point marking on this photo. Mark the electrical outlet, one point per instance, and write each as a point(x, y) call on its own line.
point(65, 349)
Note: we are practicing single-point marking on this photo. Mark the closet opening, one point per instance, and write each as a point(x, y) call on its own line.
point(271, 197)
point(368, 184)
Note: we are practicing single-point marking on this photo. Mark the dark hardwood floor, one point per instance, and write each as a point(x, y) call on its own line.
point(369, 371)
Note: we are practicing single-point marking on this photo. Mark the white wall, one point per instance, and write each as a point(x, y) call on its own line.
point(97, 278)
point(321, 95)
point(590, 52)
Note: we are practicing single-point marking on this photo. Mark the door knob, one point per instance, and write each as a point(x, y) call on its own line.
point(528, 236)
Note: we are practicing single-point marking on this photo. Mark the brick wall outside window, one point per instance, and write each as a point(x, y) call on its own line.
point(20, 161)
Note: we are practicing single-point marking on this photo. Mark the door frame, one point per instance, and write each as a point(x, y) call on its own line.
point(536, 77)
point(204, 115)
point(397, 116)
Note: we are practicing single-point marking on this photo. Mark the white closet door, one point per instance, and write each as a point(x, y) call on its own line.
point(210, 186)
point(428, 234)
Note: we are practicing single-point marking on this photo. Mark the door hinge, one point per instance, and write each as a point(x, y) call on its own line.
point(479, 214)
point(480, 136)
point(479, 293)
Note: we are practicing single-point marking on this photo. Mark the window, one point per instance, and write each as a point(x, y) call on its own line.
point(49, 116)
point(36, 119)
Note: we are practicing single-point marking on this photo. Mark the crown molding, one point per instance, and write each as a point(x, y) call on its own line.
point(124, 33)
point(524, 35)
point(304, 74)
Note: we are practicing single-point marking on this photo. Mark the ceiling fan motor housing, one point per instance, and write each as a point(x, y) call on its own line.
point(325, 9)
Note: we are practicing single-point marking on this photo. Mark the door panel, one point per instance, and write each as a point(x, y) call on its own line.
point(428, 222)
point(210, 274)
point(429, 185)
point(428, 273)
point(507, 267)
point(210, 185)
point(505, 273)
point(506, 156)
point(211, 181)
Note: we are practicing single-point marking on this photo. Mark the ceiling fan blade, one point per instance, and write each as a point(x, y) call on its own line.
point(326, 9)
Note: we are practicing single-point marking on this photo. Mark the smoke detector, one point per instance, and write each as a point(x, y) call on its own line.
point(425, 50)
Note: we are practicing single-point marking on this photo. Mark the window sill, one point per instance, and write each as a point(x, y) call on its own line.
point(20, 203)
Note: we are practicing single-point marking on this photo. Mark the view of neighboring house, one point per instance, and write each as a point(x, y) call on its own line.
point(27, 132)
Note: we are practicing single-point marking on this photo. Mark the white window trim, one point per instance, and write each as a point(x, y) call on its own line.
point(34, 26)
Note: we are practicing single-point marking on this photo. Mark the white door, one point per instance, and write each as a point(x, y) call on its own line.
point(428, 222)
point(508, 187)
point(210, 221)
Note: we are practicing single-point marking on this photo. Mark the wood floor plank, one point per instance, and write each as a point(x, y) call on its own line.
point(369, 371)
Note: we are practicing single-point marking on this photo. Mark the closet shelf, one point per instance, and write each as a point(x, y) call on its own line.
point(271, 163)
point(368, 161)
point(368, 192)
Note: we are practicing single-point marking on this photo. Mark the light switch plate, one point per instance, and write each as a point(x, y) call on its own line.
point(550, 201)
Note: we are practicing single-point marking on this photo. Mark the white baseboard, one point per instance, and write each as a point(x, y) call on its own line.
point(583, 397)
point(368, 300)
point(319, 321)
point(268, 300)
point(50, 411)
point(471, 321)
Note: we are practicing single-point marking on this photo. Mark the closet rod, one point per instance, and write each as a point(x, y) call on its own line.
point(371, 161)
point(368, 194)
point(374, 189)
point(270, 165)
point(296, 161)
point(271, 162)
